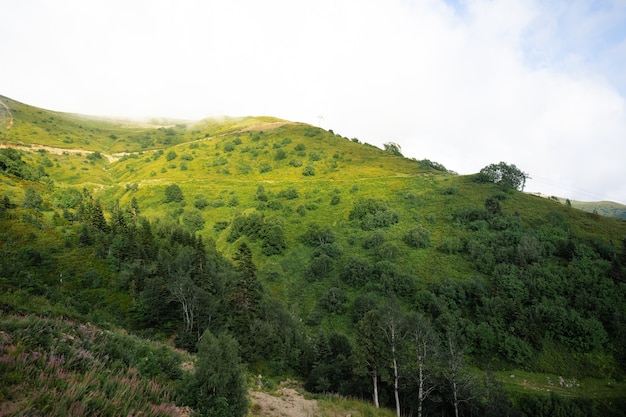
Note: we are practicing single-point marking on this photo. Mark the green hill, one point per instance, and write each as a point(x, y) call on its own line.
point(604, 208)
point(305, 247)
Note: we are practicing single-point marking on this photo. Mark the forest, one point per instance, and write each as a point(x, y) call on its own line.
point(426, 293)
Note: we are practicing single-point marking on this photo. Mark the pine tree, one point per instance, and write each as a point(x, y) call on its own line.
point(247, 292)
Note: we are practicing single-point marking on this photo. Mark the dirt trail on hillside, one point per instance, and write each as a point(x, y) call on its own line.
point(56, 151)
point(116, 156)
point(9, 116)
point(286, 402)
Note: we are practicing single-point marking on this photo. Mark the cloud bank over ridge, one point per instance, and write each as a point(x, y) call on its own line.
point(464, 83)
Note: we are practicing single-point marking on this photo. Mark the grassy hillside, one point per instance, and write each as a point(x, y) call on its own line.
point(603, 208)
point(291, 238)
point(61, 367)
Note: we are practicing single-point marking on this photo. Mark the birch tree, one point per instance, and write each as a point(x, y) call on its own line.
point(461, 383)
point(425, 349)
point(393, 329)
point(185, 293)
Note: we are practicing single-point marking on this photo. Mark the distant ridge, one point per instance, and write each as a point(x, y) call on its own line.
point(603, 208)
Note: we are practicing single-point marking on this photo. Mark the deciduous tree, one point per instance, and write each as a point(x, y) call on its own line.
point(370, 352)
point(504, 174)
point(173, 193)
point(425, 350)
point(393, 328)
point(219, 381)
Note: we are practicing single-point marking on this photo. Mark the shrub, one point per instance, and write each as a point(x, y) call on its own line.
point(280, 155)
point(290, 193)
point(193, 220)
point(32, 199)
point(317, 235)
point(309, 171)
point(242, 225)
point(451, 245)
point(265, 167)
point(356, 272)
point(387, 251)
point(373, 213)
point(374, 240)
point(418, 237)
point(273, 240)
point(334, 250)
point(233, 201)
point(319, 267)
point(450, 190)
point(220, 225)
point(173, 193)
point(94, 156)
point(200, 201)
point(333, 301)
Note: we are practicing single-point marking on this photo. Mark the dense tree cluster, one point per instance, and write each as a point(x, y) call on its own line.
point(373, 214)
point(163, 278)
point(11, 163)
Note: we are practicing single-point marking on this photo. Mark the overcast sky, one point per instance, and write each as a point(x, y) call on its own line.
point(539, 84)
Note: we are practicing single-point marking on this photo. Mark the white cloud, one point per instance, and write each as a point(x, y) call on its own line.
point(538, 84)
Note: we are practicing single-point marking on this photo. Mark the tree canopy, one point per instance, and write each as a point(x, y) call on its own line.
point(506, 175)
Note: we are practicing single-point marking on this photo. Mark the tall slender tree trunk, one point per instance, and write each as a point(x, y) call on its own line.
point(395, 383)
point(454, 371)
point(424, 345)
point(456, 398)
point(375, 383)
point(420, 390)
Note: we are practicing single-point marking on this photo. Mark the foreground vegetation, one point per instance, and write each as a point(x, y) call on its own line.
point(285, 250)
point(60, 367)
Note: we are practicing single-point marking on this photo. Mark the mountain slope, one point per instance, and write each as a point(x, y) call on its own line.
point(306, 233)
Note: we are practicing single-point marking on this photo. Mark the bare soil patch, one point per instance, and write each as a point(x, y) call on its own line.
point(285, 402)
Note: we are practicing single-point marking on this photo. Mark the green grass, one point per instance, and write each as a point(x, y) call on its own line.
point(333, 406)
point(544, 383)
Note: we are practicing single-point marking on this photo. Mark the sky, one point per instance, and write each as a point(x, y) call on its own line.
point(536, 83)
